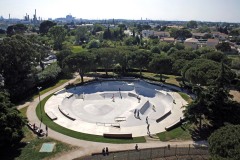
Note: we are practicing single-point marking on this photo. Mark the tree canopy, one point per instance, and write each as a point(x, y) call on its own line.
point(224, 143)
point(80, 62)
point(45, 26)
point(11, 124)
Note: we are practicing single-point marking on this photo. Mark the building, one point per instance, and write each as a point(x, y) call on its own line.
point(220, 36)
point(168, 40)
point(162, 34)
point(191, 43)
point(198, 35)
point(212, 42)
point(147, 33)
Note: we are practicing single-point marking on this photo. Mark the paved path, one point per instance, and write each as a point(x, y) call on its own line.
point(87, 147)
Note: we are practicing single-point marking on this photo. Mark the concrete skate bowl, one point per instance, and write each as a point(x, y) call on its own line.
point(113, 107)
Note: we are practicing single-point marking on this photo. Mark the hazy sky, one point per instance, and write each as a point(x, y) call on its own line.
point(204, 10)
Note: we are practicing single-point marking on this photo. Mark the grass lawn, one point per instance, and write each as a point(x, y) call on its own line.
point(170, 79)
point(185, 97)
point(32, 145)
point(233, 57)
point(59, 83)
point(77, 49)
point(79, 135)
point(179, 133)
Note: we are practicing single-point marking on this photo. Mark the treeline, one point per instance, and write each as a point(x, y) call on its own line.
point(196, 67)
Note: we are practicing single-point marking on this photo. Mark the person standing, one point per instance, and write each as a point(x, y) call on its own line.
point(46, 130)
point(107, 153)
point(136, 147)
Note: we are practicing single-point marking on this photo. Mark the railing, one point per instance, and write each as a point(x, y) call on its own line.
point(175, 152)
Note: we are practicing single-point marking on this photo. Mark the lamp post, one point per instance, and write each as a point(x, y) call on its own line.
point(39, 88)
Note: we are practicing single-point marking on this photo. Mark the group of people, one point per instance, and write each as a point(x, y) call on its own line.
point(105, 152)
point(38, 130)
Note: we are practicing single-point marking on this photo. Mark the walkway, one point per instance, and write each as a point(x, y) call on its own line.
point(87, 147)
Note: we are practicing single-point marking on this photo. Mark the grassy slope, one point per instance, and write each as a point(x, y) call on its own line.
point(179, 133)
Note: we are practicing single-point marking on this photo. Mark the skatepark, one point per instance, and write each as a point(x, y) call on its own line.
point(133, 107)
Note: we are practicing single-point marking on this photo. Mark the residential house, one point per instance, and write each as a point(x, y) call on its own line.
point(191, 43)
point(161, 34)
point(212, 42)
point(198, 35)
point(220, 36)
point(168, 40)
point(147, 33)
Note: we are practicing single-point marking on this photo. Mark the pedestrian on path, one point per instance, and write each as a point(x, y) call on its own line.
point(136, 147)
point(103, 151)
point(107, 153)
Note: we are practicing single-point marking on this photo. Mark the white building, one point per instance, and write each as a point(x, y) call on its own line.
point(191, 43)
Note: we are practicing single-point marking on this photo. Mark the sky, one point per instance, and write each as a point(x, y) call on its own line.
point(200, 10)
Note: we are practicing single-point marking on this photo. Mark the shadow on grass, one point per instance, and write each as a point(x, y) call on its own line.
point(201, 134)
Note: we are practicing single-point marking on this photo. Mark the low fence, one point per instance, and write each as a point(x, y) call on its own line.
point(186, 152)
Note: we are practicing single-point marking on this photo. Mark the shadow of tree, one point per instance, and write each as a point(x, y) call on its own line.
point(10, 153)
point(201, 134)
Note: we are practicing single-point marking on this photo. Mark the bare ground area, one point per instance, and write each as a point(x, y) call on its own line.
point(236, 95)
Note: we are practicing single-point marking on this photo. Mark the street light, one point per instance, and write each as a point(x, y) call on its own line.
point(39, 88)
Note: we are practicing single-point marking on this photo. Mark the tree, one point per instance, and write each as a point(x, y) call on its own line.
point(93, 44)
point(45, 26)
point(161, 64)
point(62, 55)
point(123, 57)
point(107, 34)
point(155, 49)
point(50, 74)
point(82, 35)
point(224, 143)
point(215, 56)
point(11, 124)
point(16, 29)
point(224, 47)
point(105, 57)
point(204, 72)
point(195, 111)
point(180, 33)
point(140, 59)
point(18, 65)
point(192, 24)
point(80, 62)
point(58, 34)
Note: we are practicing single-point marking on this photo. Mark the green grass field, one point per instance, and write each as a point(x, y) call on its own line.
point(77, 49)
point(169, 79)
point(78, 135)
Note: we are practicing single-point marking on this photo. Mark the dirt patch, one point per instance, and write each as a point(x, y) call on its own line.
point(236, 95)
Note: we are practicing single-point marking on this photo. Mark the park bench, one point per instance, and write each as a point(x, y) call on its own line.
point(120, 136)
point(66, 114)
point(51, 115)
